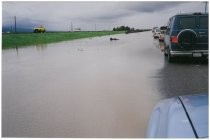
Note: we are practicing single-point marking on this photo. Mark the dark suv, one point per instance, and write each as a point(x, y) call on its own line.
point(187, 35)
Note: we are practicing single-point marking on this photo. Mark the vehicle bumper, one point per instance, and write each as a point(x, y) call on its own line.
point(192, 53)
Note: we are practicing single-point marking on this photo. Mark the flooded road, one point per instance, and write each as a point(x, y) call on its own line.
point(90, 88)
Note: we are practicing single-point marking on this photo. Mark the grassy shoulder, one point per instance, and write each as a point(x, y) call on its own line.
point(26, 39)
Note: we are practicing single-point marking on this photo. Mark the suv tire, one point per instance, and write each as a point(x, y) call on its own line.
point(187, 37)
point(170, 59)
point(165, 49)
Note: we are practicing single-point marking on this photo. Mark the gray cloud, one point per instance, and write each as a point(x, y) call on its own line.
point(124, 9)
point(151, 6)
point(59, 15)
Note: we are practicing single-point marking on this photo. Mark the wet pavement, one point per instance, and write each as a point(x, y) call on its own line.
point(91, 88)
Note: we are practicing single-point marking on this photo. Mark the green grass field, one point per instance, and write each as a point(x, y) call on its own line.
point(26, 39)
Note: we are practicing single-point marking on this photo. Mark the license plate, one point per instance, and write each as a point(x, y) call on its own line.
point(197, 54)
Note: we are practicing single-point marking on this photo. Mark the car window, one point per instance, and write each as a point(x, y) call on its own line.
point(163, 28)
point(203, 22)
point(187, 22)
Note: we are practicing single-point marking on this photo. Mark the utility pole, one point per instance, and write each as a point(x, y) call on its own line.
point(11, 29)
point(95, 27)
point(206, 6)
point(71, 27)
point(15, 23)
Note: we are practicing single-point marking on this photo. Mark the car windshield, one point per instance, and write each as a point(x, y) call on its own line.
point(163, 28)
point(187, 22)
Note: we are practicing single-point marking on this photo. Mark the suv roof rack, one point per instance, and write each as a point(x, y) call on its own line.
point(197, 13)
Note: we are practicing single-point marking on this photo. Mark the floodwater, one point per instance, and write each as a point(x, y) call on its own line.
point(88, 88)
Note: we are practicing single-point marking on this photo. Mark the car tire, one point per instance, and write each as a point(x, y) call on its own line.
point(170, 59)
point(187, 38)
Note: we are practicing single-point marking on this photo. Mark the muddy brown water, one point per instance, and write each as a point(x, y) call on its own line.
point(88, 88)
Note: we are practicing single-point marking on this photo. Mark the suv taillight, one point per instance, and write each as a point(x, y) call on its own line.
point(174, 39)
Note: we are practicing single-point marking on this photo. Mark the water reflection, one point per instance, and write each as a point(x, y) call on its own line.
point(156, 43)
point(40, 47)
point(183, 77)
point(90, 88)
point(159, 44)
point(16, 48)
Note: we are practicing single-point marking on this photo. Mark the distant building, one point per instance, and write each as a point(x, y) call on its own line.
point(77, 29)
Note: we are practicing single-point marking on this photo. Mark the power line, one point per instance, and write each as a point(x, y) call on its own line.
point(71, 27)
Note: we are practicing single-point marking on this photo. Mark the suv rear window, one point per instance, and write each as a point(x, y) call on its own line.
point(203, 22)
point(187, 22)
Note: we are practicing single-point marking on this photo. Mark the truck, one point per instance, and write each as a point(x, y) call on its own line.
point(40, 29)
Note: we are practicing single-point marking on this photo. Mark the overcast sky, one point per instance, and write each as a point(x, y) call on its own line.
point(93, 15)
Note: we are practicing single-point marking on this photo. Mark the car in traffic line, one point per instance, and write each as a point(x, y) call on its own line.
point(180, 117)
point(156, 33)
point(162, 33)
point(187, 35)
point(162, 36)
point(153, 29)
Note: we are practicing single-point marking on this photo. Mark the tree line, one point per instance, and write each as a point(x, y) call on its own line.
point(121, 28)
point(128, 29)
